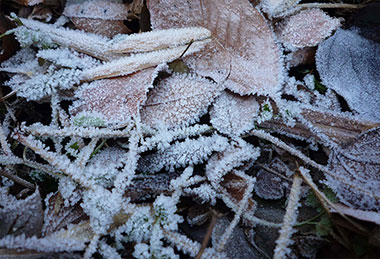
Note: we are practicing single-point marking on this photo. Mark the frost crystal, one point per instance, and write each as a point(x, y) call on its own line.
point(180, 154)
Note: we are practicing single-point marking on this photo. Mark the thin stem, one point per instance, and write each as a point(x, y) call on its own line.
point(17, 179)
point(330, 5)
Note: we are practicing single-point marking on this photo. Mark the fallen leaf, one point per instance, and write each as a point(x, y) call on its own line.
point(369, 216)
point(233, 114)
point(20, 216)
point(350, 65)
point(355, 171)
point(243, 53)
point(306, 28)
point(99, 17)
point(117, 99)
point(58, 216)
point(179, 101)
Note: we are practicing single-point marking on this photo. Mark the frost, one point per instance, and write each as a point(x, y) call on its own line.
point(350, 65)
point(278, 8)
point(65, 57)
point(118, 99)
point(306, 28)
point(164, 210)
point(243, 53)
point(183, 153)
point(179, 101)
point(97, 9)
point(354, 171)
point(20, 216)
point(228, 107)
point(266, 112)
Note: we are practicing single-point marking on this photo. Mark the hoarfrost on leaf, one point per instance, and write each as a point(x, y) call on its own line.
point(243, 52)
point(350, 65)
point(234, 114)
point(179, 101)
point(306, 28)
point(355, 167)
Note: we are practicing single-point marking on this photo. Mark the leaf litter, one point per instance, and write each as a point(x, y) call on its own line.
point(129, 138)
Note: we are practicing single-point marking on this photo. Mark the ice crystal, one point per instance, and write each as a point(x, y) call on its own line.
point(188, 152)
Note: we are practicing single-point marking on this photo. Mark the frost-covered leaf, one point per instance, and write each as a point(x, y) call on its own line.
point(20, 216)
point(58, 216)
point(243, 51)
point(271, 186)
point(278, 8)
point(180, 154)
point(350, 65)
point(117, 99)
point(338, 127)
point(306, 28)
point(46, 34)
point(99, 17)
point(179, 101)
point(355, 171)
point(234, 114)
point(370, 216)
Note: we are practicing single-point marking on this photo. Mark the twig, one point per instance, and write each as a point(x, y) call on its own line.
point(207, 237)
point(17, 179)
point(330, 5)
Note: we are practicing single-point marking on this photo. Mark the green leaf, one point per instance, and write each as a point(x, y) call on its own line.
point(324, 226)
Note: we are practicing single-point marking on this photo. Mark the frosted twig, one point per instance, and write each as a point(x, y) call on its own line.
point(91, 248)
point(182, 242)
point(242, 206)
point(290, 218)
point(15, 178)
point(4, 142)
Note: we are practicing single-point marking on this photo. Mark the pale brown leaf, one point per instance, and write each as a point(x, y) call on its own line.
point(233, 114)
point(243, 51)
point(179, 100)
point(117, 99)
point(99, 17)
point(306, 28)
point(370, 216)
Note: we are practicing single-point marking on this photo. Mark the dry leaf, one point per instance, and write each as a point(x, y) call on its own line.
point(233, 114)
point(58, 216)
point(99, 17)
point(243, 51)
point(350, 65)
point(117, 99)
point(20, 216)
point(370, 216)
point(355, 170)
point(179, 100)
point(306, 28)
point(339, 128)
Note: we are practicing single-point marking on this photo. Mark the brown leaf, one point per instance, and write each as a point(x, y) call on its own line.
point(233, 114)
point(338, 127)
point(20, 216)
point(117, 99)
point(243, 51)
point(58, 216)
point(370, 216)
point(99, 17)
point(306, 28)
point(355, 171)
point(179, 100)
